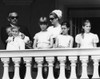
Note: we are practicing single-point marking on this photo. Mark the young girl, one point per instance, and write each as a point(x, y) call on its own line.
point(86, 39)
point(15, 42)
point(43, 38)
point(64, 40)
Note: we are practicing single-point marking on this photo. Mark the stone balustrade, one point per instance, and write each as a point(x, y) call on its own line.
point(41, 56)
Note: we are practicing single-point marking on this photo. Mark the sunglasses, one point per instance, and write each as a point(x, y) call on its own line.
point(14, 17)
point(52, 18)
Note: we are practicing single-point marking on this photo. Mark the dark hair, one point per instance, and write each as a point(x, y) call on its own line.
point(65, 23)
point(83, 24)
point(55, 16)
point(43, 20)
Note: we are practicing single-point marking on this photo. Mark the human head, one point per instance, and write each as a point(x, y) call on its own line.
point(65, 27)
point(43, 23)
point(9, 32)
point(55, 16)
point(13, 18)
point(15, 31)
point(86, 26)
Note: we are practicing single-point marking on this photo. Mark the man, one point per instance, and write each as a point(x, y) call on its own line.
point(13, 22)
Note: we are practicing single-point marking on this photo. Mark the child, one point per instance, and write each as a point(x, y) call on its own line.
point(86, 39)
point(42, 39)
point(64, 40)
point(9, 32)
point(15, 42)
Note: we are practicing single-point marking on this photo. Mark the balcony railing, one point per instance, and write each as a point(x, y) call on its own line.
point(50, 54)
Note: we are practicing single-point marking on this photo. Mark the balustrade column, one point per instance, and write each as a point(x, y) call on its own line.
point(28, 68)
point(73, 67)
point(5, 73)
point(39, 60)
point(62, 67)
point(96, 65)
point(50, 64)
point(84, 60)
point(16, 74)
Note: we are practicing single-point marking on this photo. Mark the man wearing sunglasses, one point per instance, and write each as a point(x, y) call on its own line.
point(13, 22)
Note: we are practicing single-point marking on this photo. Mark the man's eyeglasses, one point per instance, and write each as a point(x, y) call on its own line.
point(52, 18)
point(14, 17)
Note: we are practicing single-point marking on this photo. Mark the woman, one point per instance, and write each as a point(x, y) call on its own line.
point(54, 30)
point(55, 17)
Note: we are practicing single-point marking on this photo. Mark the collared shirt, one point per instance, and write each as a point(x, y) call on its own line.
point(15, 44)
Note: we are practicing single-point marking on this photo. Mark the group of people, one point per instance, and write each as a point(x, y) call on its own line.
point(54, 36)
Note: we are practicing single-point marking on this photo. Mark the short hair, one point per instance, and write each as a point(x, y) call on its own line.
point(12, 13)
point(43, 20)
point(65, 23)
point(15, 28)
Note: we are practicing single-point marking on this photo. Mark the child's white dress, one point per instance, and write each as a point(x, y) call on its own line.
point(87, 40)
point(15, 43)
point(43, 39)
point(64, 40)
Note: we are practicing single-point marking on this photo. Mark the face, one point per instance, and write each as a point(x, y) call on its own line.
point(15, 32)
point(43, 27)
point(13, 18)
point(9, 32)
point(64, 29)
point(87, 27)
point(53, 20)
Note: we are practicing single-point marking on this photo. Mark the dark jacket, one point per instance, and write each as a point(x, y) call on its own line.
point(4, 34)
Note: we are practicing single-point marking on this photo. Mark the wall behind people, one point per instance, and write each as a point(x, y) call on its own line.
point(29, 12)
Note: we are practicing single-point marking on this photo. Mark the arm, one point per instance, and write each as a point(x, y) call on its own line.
point(71, 43)
point(95, 40)
point(78, 45)
point(9, 39)
point(21, 45)
point(94, 45)
point(51, 43)
point(56, 42)
point(35, 43)
point(78, 40)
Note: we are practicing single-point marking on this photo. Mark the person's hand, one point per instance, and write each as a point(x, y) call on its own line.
point(29, 44)
point(8, 41)
point(22, 36)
